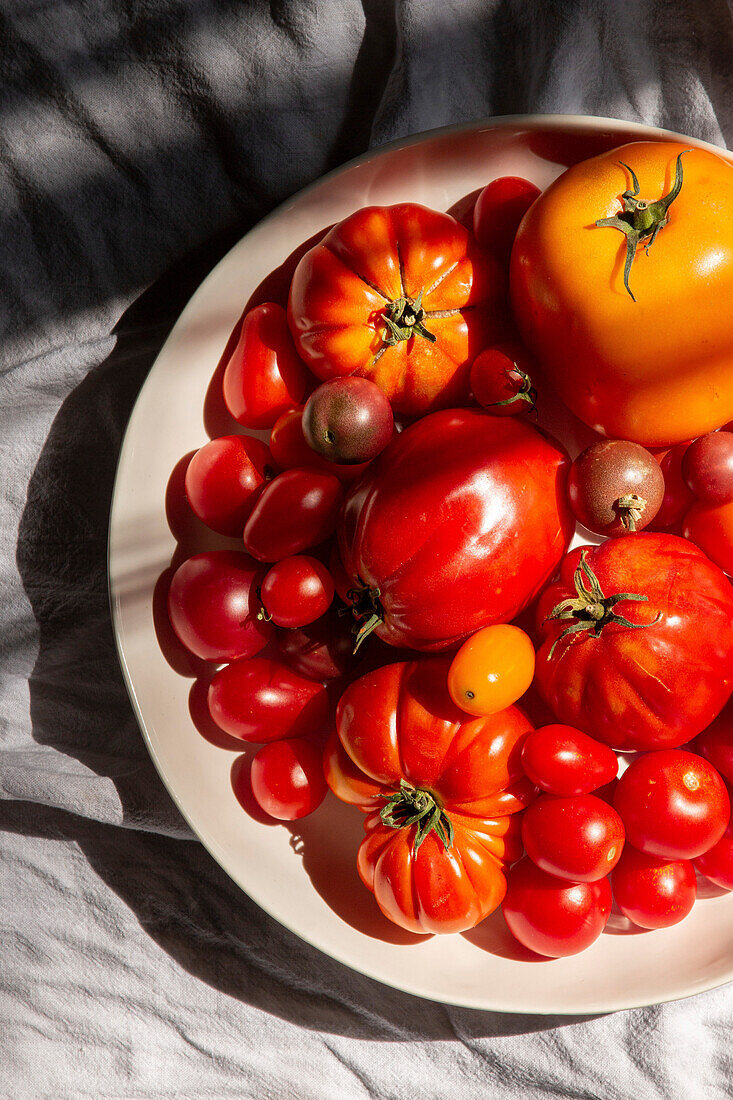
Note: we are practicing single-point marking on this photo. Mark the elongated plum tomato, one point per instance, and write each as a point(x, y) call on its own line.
point(442, 794)
point(289, 448)
point(456, 526)
point(498, 211)
point(501, 380)
point(296, 510)
point(645, 625)
point(717, 863)
point(708, 467)
point(578, 838)
point(265, 375)
point(551, 915)
point(677, 497)
point(673, 804)
point(348, 420)
point(716, 743)
point(401, 295)
point(296, 590)
point(492, 669)
point(259, 699)
point(710, 526)
point(213, 605)
point(652, 891)
point(287, 778)
point(615, 487)
point(564, 761)
point(222, 480)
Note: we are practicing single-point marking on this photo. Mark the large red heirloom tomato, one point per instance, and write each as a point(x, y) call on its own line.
point(401, 295)
point(439, 789)
point(619, 273)
point(456, 525)
point(638, 641)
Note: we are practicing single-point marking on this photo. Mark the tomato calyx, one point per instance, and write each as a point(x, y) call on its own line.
point(591, 609)
point(404, 319)
point(639, 219)
point(366, 608)
point(419, 807)
point(630, 507)
point(526, 391)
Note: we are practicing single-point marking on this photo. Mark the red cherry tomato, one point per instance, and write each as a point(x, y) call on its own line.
point(287, 778)
point(677, 497)
point(213, 606)
point(289, 449)
point(553, 916)
point(296, 591)
point(708, 467)
point(717, 863)
point(710, 526)
point(562, 760)
point(258, 699)
point(673, 804)
point(578, 838)
point(653, 892)
point(296, 510)
point(498, 211)
point(322, 650)
point(501, 380)
point(265, 375)
point(716, 743)
point(222, 480)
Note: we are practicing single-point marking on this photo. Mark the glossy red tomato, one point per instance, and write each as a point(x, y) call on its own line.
point(677, 497)
point(213, 606)
point(717, 863)
point(222, 480)
point(579, 837)
point(289, 449)
point(651, 891)
point(716, 743)
point(258, 699)
point(455, 526)
point(553, 916)
point(322, 650)
point(400, 295)
point(639, 652)
point(296, 510)
point(673, 804)
point(498, 211)
point(287, 778)
point(296, 591)
point(438, 789)
point(265, 375)
point(501, 380)
point(710, 526)
point(564, 761)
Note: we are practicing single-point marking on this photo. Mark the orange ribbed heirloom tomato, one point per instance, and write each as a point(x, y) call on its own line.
point(439, 789)
point(639, 344)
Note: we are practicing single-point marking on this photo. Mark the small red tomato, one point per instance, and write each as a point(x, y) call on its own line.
point(553, 916)
point(673, 804)
point(289, 449)
point(492, 669)
point(677, 497)
point(287, 778)
point(562, 760)
point(222, 480)
point(501, 380)
point(348, 420)
point(717, 863)
point(213, 606)
point(498, 211)
point(710, 527)
point(296, 591)
point(322, 650)
point(615, 487)
point(653, 892)
point(265, 375)
point(716, 743)
point(296, 510)
point(258, 699)
point(708, 467)
point(579, 837)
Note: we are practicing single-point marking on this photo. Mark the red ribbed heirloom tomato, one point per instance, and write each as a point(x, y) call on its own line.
point(637, 641)
point(456, 525)
point(401, 295)
point(439, 789)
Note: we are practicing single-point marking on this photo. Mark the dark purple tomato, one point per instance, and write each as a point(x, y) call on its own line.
point(287, 778)
point(258, 699)
point(296, 591)
point(213, 606)
point(579, 838)
point(677, 497)
point(653, 892)
point(348, 420)
point(615, 487)
point(222, 480)
point(708, 467)
point(501, 380)
point(322, 650)
point(296, 510)
point(564, 761)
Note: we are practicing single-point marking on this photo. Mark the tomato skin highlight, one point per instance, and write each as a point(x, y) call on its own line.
point(295, 511)
point(296, 591)
point(492, 669)
point(553, 916)
point(564, 761)
point(287, 778)
point(651, 891)
point(674, 804)
point(222, 480)
point(261, 700)
point(579, 837)
point(264, 376)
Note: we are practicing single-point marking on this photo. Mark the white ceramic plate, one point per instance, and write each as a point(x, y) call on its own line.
point(304, 874)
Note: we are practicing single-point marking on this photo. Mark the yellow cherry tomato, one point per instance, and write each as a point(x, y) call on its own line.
point(491, 670)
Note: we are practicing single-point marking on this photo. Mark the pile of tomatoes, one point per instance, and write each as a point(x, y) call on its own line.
point(400, 619)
